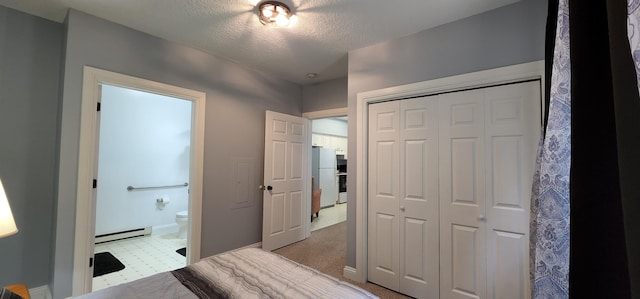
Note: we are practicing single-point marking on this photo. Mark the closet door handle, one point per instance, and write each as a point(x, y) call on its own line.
point(481, 217)
point(402, 208)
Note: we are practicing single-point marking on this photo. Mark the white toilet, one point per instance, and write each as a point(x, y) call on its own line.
point(182, 219)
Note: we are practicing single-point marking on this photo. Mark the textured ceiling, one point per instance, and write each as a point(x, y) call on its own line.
point(318, 42)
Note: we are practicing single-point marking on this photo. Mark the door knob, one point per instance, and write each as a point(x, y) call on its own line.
point(481, 217)
point(402, 208)
point(265, 188)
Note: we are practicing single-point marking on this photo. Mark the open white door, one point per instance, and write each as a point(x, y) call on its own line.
point(287, 193)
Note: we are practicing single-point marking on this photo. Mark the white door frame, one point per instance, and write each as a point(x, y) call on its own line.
point(503, 75)
point(87, 162)
point(337, 112)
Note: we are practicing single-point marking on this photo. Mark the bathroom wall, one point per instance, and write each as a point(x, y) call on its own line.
point(144, 141)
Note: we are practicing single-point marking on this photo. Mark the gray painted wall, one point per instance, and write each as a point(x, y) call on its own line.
point(506, 36)
point(325, 95)
point(236, 102)
point(30, 52)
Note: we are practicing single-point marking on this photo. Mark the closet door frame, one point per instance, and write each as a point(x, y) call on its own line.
point(497, 76)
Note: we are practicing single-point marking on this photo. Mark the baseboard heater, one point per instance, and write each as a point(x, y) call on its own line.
point(143, 231)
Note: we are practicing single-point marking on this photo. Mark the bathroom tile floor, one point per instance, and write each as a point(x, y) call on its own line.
point(148, 255)
point(142, 256)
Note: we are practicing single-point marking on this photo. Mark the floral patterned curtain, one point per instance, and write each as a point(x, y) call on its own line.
point(633, 33)
point(550, 193)
point(632, 228)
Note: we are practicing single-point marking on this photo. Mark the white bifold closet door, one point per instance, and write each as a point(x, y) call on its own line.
point(449, 186)
point(488, 141)
point(403, 196)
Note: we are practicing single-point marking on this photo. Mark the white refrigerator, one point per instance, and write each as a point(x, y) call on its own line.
point(324, 171)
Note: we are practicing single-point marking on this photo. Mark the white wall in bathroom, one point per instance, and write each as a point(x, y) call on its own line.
point(144, 141)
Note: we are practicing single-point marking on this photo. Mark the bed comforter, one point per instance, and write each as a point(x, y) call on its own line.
point(245, 273)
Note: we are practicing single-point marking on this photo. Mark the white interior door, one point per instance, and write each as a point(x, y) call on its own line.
point(287, 181)
point(462, 195)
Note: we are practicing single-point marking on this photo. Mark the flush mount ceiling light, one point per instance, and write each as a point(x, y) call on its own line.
point(274, 13)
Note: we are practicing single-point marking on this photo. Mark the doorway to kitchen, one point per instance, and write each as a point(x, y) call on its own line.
point(329, 141)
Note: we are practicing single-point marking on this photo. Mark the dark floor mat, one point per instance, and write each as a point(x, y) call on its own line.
point(182, 251)
point(105, 263)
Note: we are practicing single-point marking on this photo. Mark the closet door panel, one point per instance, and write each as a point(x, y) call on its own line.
point(383, 194)
point(385, 261)
point(415, 250)
point(466, 258)
point(464, 176)
point(509, 270)
point(512, 128)
point(386, 186)
point(462, 195)
point(418, 210)
point(506, 161)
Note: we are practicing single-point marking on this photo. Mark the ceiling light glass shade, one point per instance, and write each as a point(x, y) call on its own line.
point(282, 21)
point(267, 12)
point(274, 13)
point(7, 225)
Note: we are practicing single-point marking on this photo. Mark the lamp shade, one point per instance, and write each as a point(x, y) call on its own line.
point(7, 225)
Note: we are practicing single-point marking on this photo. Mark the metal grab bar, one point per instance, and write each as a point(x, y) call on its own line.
point(156, 187)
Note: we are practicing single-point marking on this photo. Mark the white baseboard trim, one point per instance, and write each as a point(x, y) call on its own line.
point(158, 230)
point(41, 292)
point(351, 273)
point(143, 231)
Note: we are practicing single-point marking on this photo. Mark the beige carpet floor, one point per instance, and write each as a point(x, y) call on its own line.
point(325, 250)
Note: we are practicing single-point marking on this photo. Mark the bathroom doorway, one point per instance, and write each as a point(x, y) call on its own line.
point(142, 199)
point(153, 191)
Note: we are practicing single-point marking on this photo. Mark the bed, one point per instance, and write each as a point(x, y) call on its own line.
point(244, 273)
